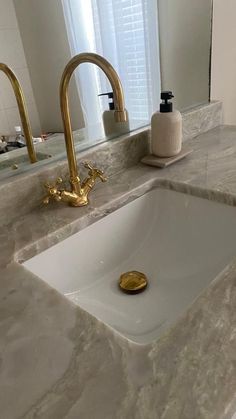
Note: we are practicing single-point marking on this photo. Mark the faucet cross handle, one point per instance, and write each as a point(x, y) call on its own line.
point(94, 172)
point(52, 191)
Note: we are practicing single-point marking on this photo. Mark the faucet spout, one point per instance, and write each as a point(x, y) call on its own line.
point(78, 195)
point(120, 112)
point(22, 110)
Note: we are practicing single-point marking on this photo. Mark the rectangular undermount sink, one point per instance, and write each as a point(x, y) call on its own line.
point(179, 241)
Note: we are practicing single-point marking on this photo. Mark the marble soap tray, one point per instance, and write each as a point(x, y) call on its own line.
point(163, 162)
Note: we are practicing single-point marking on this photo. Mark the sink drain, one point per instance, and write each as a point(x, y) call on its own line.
point(133, 282)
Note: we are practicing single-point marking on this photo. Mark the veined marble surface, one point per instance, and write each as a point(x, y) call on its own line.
point(195, 121)
point(58, 362)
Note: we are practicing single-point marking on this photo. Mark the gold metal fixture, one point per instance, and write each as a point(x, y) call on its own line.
point(78, 196)
point(72, 197)
point(133, 282)
point(22, 110)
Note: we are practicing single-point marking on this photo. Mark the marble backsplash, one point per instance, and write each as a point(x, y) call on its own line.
point(201, 119)
point(24, 193)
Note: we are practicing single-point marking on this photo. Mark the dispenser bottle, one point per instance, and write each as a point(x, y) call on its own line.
point(19, 137)
point(166, 129)
point(111, 127)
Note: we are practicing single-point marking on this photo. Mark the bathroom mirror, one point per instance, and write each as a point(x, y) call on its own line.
point(38, 38)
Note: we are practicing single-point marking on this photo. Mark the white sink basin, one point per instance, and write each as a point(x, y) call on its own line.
point(179, 241)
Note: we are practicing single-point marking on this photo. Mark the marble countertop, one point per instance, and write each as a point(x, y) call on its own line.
point(58, 362)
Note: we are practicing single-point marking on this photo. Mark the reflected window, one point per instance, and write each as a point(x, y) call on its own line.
point(125, 32)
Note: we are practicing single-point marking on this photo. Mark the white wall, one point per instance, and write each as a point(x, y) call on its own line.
point(185, 39)
point(12, 54)
point(223, 81)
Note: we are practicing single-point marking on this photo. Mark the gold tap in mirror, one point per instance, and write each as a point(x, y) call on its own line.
point(22, 110)
point(78, 195)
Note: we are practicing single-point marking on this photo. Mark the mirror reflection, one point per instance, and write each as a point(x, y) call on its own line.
point(152, 45)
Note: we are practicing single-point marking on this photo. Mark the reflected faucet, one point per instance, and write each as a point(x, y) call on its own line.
point(22, 110)
point(78, 196)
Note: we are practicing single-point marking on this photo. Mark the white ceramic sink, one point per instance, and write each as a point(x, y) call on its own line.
point(179, 241)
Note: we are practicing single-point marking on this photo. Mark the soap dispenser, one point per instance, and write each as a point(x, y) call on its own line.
point(19, 137)
point(111, 127)
point(166, 129)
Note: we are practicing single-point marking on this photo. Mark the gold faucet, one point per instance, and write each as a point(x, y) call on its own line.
point(78, 195)
point(22, 110)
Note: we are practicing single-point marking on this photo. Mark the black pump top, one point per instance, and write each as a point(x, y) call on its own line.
point(111, 99)
point(166, 106)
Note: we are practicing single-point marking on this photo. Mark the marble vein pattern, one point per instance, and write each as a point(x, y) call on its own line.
point(58, 362)
point(202, 119)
